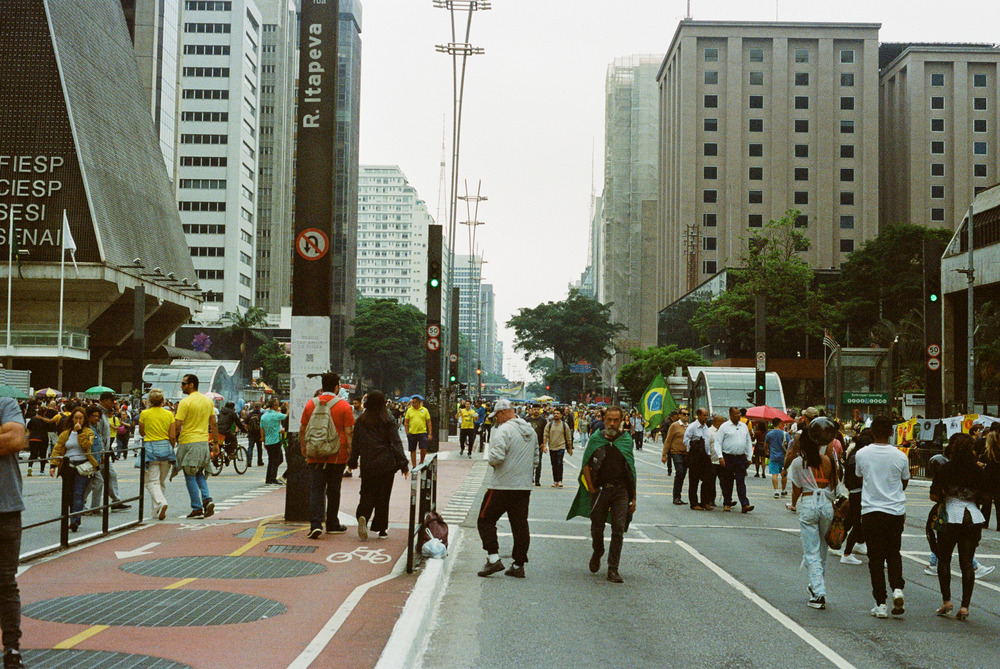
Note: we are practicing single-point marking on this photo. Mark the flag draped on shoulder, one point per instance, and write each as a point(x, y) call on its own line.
point(656, 401)
point(582, 502)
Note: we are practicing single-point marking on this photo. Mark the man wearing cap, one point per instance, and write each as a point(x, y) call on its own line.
point(466, 418)
point(513, 455)
point(417, 425)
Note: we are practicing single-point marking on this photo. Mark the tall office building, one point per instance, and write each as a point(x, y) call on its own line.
point(939, 130)
point(473, 322)
point(217, 150)
point(629, 197)
point(275, 161)
point(758, 118)
point(392, 237)
point(488, 326)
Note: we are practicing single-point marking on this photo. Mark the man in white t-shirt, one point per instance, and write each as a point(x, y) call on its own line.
point(884, 471)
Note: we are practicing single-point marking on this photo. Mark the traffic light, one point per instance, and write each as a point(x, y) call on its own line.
point(452, 378)
point(760, 396)
point(479, 372)
point(434, 273)
point(547, 387)
point(750, 397)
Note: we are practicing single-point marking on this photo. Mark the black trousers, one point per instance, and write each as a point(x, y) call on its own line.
point(885, 534)
point(637, 438)
point(10, 596)
point(966, 537)
point(515, 504)
point(374, 502)
point(466, 436)
point(706, 477)
point(680, 467)
point(853, 524)
point(274, 460)
point(610, 504)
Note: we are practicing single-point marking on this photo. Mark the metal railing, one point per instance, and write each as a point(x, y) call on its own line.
point(423, 477)
point(48, 336)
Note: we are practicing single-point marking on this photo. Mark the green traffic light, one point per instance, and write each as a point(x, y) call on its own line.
point(934, 297)
point(435, 283)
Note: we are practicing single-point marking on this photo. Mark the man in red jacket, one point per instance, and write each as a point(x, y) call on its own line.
point(328, 473)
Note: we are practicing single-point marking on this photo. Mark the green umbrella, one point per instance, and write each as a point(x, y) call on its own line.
point(10, 391)
point(97, 390)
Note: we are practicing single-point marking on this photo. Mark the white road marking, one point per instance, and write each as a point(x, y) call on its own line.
point(769, 609)
point(909, 555)
point(572, 537)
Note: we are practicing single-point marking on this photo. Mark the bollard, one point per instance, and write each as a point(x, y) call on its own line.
point(298, 482)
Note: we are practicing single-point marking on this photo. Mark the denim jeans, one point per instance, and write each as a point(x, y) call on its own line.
point(197, 486)
point(324, 495)
point(10, 596)
point(556, 457)
point(815, 516)
point(680, 469)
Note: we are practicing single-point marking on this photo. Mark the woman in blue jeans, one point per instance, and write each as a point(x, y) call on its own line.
point(814, 480)
point(71, 449)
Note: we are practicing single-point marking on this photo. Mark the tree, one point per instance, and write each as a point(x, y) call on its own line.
point(241, 328)
point(987, 348)
point(388, 344)
point(273, 360)
point(578, 328)
point(646, 363)
point(773, 268)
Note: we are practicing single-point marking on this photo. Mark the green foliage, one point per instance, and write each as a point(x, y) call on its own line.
point(243, 327)
point(388, 344)
point(987, 349)
point(646, 363)
point(273, 361)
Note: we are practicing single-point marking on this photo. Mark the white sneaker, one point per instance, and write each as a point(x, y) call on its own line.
point(850, 559)
point(860, 549)
point(777, 494)
point(983, 570)
point(879, 611)
point(932, 571)
point(898, 602)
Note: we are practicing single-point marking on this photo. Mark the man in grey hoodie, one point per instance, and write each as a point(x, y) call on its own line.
point(513, 455)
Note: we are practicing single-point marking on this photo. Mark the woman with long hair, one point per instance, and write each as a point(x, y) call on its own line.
point(72, 449)
point(814, 480)
point(856, 533)
point(378, 446)
point(961, 485)
point(154, 426)
point(992, 460)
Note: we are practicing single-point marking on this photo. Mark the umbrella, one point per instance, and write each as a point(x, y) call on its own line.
point(48, 393)
point(767, 413)
point(544, 398)
point(213, 396)
point(11, 391)
point(97, 390)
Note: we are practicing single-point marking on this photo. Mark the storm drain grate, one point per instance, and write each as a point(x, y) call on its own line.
point(155, 608)
point(291, 549)
point(69, 658)
point(223, 566)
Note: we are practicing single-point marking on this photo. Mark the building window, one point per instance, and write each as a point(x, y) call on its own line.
point(756, 55)
point(802, 174)
point(213, 184)
point(937, 102)
point(206, 49)
point(846, 245)
point(937, 125)
point(846, 197)
point(846, 56)
point(212, 117)
point(756, 197)
point(937, 192)
point(846, 222)
point(937, 169)
point(208, 251)
point(847, 103)
point(937, 148)
point(222, 28)
point(846, 174)
point(709, 196)
point(937, 79)
point(937, 214)
point(711, 172)
point(802, 102)
point(979, 125)
point(204, 161)
point(847, 127)
point(756, 221)
point(204, 229)
point(709, 220)
point(711, 149)
point(979, 80)
point(711, 124)
point(801, 78)
point(711, 77)
point(979, 170)
point(201, 206)
point(209, 5)
point(709, 243)
point(204, 94)
point(756, 125)
point(756, 102)
point(711, 55)
point(801, 197)
point(979, 148)
point(756, 150)
point(711, 101)
point(708, 266)
point(847, 79)
point(756, 78)
point(801, 221)
point(846, 150)
point(801, 125)
point(246, 259)
point(979, 104)
point(801, 55)
point(756, 173)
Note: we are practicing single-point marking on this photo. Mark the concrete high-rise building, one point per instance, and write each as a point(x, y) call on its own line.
point(939, 130)
point(629, 197)
point(478, 324)
point(275, 161)
point(488, 326)
point(217, 151)
point(392, 237)
point(758, 118)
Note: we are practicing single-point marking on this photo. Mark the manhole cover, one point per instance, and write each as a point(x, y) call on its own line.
point(291, 549)
point(223, 566)
point(69, 658)
point(155, 608)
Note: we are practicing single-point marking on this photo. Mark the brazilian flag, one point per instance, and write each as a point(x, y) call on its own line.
point(656, 401)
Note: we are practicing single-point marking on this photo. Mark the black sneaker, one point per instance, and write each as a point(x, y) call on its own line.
point(679, 502)
point(196, 513)
point(336, 529)
point(12, 659)
point(383, 534)
point(315, 532)
point(491, 568)
point(208, 507)
point(515, 570)
point(817, 602)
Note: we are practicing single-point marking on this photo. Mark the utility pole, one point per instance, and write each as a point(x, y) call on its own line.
point(434, 398)
point(760, 345)
point(970, 275)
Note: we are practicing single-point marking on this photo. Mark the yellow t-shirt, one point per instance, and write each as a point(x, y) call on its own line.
point(156, 422)
point(468, 419)
point(417, 420)
point(194, 410)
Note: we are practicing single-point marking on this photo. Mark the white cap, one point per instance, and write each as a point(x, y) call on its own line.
point(500, 405)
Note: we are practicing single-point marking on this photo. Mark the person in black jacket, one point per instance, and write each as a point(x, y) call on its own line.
point(378, 446)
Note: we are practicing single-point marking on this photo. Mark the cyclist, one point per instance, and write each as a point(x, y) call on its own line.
point(229, 423)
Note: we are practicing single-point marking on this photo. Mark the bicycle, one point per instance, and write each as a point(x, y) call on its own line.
point(237, 456)
point(375, 556)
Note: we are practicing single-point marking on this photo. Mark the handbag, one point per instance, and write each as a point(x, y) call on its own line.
point(85, 468)
point(837, 532)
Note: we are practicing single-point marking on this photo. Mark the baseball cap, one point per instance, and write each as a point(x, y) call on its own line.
point(417, 397)
point(500, 405)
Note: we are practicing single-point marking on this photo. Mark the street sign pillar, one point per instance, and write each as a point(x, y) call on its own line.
point(433, 396)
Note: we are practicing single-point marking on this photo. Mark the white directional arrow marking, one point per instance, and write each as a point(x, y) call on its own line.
point(145, 550)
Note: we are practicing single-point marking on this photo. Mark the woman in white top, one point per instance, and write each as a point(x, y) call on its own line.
point(961, 485)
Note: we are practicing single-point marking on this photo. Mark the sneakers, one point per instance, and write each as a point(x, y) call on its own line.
point(515, 570)
point(163, 512)
point(383, 534)
point(880, 611)
point(336, 529)
point(817, 602)
point(209, 507)
point(614, 576)
point(196, 513)
point(784, 493)
point(362, 528)
point(12, 659)
point(932, 571)
point(850, 559)
point(898, 602)
point(860, 549)
point(595, 562)
point(983, 570)
point(490, 568)
point(315, 532)
point(777, 494)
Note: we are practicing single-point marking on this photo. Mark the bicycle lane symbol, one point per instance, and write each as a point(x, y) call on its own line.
point(373, 555)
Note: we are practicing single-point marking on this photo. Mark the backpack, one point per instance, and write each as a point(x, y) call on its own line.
point(253, 427)
point(322, 439)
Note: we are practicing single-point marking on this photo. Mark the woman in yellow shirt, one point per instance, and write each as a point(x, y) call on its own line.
point(154, 426)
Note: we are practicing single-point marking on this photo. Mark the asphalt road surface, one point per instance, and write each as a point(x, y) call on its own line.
point(702, 589)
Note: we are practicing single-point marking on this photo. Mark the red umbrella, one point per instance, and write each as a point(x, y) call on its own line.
point(767, 413)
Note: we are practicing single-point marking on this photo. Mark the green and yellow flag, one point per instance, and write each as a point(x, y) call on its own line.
point(656, 401)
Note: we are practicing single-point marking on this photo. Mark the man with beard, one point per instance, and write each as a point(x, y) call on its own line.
point(607, 489)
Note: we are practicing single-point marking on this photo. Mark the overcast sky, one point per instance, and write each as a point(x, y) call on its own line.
point(534, 109)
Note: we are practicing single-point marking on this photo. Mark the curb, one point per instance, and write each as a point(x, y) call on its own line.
point(408, 636)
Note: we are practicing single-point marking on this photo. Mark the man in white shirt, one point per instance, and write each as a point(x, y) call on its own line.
point(737, 448)
point(884, 472)
point(700, 464)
